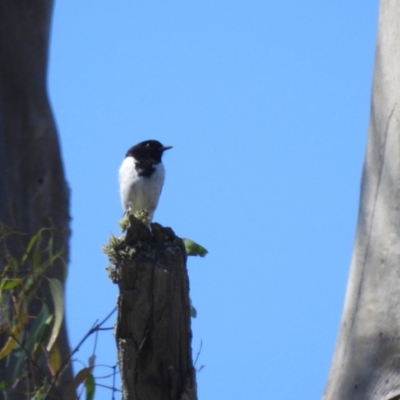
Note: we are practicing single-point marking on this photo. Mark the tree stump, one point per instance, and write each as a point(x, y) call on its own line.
point(153, 330)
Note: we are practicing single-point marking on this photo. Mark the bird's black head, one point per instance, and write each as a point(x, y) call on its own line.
point(149, 151)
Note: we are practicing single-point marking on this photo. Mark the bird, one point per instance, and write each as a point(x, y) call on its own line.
point(141, 177)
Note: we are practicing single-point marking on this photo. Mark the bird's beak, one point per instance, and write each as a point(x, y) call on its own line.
point(166, 148)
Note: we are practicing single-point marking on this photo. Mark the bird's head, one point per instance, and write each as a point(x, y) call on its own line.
point(148, 150)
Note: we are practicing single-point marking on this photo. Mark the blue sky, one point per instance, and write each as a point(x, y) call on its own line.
point(267, 105)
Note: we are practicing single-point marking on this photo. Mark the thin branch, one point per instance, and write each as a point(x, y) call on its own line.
point(95, 328)
point(105, 366)
point(95, 341)
point(76, 349)
point(198, 353)
point(107, 376)
point(114, 389)
point(37, 366)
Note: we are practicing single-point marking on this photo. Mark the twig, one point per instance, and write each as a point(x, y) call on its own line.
point(106, 376)
point(114, 389)
point(198, 353)
point(107, 366)
point(108, 387)
point(95, 328)
point(37, 366)
point(95, 341)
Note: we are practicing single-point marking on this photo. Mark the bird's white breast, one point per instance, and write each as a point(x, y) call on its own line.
point(139, 192)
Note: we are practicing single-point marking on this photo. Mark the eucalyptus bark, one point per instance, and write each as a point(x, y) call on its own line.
point(366, 362)
point(153, 330)
point(33, 190)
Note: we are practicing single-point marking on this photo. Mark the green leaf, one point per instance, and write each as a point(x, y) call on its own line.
point(50, 246)
point(7, 284)
point(90, 385)
point(37, 329)
point(36, 260)
point(11, 342)
point(35, 340)
point(40, 395)
point(43, 337)
point(193, 248)
point(79, 378)
point(4, 385)
point(19, 365)
point(57, 293)
point(12, 263)
point(54, 360)
point(33, 240)
point(193, 312)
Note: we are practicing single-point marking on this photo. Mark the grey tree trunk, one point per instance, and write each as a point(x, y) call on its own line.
point(153, 326)
point(366, 362)
point(33, 190)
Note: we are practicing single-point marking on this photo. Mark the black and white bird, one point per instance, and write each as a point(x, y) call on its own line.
point(141, 177)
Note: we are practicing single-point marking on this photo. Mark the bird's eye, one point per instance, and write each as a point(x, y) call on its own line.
point(147, 144)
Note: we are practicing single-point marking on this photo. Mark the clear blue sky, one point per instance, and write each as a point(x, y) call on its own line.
point(267, 105)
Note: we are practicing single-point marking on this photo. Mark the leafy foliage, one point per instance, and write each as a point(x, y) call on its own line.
point(21, 284)
point(32, 339)
point(193, 248)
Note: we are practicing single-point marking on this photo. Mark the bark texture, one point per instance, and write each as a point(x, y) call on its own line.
point(153, 327)
point(366, 362)
point(33, 190)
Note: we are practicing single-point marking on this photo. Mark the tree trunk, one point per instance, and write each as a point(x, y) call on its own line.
point(153, 327)
point(33, 190)
point(366, 362)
